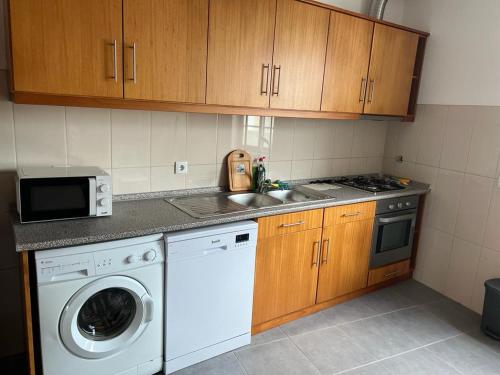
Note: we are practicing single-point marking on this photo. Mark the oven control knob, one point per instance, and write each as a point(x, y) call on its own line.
point(149, 255)
point(104, 188)
point(400, 205)
point(392, 207)
point(104, 202)
point(132, 259)
point(408, 204)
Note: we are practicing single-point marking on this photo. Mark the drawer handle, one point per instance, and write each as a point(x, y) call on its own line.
point(352, 214)
point(292, 224)
point(391, 274)
point(326, 245)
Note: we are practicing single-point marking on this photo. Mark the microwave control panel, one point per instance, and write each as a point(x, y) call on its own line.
point(104, 196)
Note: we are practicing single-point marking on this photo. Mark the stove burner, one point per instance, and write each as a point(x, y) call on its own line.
point(371, 184)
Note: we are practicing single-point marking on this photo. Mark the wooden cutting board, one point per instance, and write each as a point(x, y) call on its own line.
point(239, 165)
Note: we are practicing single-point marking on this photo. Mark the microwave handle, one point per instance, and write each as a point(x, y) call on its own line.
point(389, 220)
point(92, 197)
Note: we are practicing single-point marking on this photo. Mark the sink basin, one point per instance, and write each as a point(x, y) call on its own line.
point(291, 196)
point(254, 200)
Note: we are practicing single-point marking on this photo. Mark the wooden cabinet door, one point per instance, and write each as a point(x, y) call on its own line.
point(67, 47)
point(347, 60)
point(286, 274)
point(165, 49)
point(240, 50)
point(299, 55)
point(391, 71)
point(344, 259)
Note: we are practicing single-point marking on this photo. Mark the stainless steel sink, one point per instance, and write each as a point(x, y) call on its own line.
point(291, 196)
point(254, 200)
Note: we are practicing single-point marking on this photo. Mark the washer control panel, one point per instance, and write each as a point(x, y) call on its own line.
point(75, 266)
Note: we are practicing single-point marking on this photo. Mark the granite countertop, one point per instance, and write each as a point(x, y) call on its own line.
point(145, 214)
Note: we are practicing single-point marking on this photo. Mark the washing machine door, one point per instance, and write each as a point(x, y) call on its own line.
point(105, 316)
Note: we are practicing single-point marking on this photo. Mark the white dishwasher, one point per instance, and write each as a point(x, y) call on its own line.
point(209, 292)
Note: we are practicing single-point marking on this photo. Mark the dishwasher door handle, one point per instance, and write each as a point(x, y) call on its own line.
point(215, 250)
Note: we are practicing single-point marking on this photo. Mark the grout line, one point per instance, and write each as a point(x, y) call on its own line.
point(242, 368)
point(444, 361)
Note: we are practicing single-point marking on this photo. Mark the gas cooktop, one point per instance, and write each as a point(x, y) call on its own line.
point(368, 183)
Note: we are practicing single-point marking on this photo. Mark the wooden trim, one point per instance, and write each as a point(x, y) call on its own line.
point(417, 79)
point(119, 103)
point(325, 305)
point(364, 16)
point(28, 320)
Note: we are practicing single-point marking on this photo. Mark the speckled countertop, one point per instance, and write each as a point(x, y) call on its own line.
point(146, 214)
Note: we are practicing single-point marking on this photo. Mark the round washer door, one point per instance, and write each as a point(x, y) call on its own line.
point(105, 316)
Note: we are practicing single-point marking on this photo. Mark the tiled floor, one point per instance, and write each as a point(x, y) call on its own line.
point(404, 329)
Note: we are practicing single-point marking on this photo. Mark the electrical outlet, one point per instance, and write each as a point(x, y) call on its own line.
point(181, 167)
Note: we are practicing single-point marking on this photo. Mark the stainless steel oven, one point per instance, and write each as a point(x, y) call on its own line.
point(393, 230)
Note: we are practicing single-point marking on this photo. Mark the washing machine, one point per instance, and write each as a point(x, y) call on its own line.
point(101, 308)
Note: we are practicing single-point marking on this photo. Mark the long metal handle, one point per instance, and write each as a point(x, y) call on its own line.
point(115, 61)
point(390, 274)
point(362, 91)
point(352, 214)
point(277, 92)
point(133, 47)
point(288, 225)
point(316, 254)
point(326, 245)
point(371, 90)
point(262, 91)
point(389, 220)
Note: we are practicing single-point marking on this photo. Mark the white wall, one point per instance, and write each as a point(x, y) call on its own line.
point(463, 54)
point(393, 11)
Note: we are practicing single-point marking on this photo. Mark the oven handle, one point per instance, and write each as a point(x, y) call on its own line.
point(388, 220)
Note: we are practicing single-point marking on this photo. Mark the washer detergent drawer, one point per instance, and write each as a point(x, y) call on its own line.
point(209, 298)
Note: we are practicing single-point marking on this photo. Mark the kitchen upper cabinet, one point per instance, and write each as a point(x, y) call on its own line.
point(391, 71)
point(299, 55)
point(286, 274)
point(67, 47)
point(240, 52)
point(347, 59)
point(165, 49)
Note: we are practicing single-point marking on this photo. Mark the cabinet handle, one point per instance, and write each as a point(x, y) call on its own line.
point(288, 225)
point(326, 245)
point(362, 90)
point(352, 214)
point(277, 92)
point(371, 90)
point(316, 253)
point(264, 91)
point(133, 47)
point(390, 274)
point(115, 61)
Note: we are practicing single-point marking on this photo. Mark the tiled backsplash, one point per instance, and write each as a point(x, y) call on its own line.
point(456, 149)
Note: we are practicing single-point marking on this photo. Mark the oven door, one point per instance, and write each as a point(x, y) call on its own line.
point(392, 237)
point(44, 199)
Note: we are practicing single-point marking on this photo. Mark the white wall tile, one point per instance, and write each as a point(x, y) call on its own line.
point(473, 209)
point(131, 136)
point(369, 139)
point(425, 174)
point(489, 268)
point(485, 145)
point(222, 178)
point(461, 274)
point(282, 139)
point(201, 138)
point(341, 167)
point(40, 135)
point(406, 138)
point(322, 168)
point(436, 259)
point(303, 139)
point(431, 135)
point(280, 170)
point(301, 169)
point(492, 230)
point(168, 138)
point(131, 180)
point(457, 138)
point(324, 139)
point(164, 178)
point(358, 166)
point(231, 136)
point(201, 176)
point(342, 139)
point(7, 144)
point(88, 136)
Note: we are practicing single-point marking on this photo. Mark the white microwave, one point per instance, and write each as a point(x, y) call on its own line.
point(61, 193)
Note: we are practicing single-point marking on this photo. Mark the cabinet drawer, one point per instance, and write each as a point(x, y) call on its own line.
point(290, 223)
point(391, 271)
point(349, 213)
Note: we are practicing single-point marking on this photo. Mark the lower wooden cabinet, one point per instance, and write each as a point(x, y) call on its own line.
point(381, 274)
point(286, 274)
point(344, 259)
